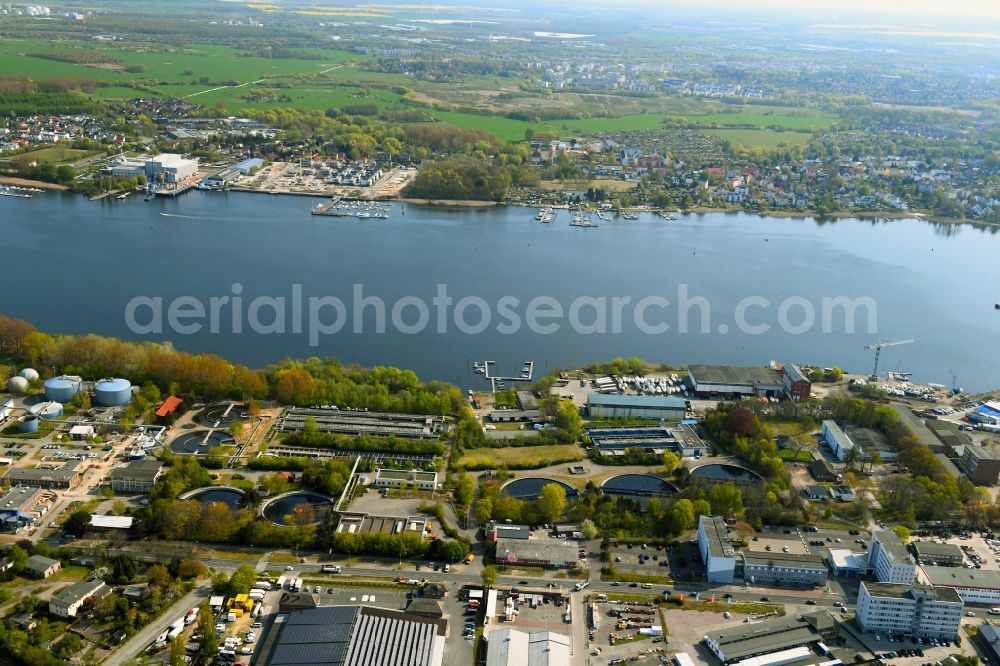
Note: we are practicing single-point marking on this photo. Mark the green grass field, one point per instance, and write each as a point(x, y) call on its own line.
point(522, 455)
point(335, 80)
point(761, 137)
point(55, 155)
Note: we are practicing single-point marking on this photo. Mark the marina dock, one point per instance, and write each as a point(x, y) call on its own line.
point(363, 210)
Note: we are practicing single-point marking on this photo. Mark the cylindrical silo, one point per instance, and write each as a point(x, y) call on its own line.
point(62, 389)
point(113, 392)
point(30, 374)
point(17, 384)
point(28, 423)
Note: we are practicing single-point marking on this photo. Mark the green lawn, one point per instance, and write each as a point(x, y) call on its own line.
point(761, 137)
point(56, 155)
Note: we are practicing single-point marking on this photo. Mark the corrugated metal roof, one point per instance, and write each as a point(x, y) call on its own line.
point(667, 402)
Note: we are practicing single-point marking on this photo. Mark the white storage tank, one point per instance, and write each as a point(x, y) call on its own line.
point(30, 374)
point(113, 392)
point(62, 389)
point(17, 384)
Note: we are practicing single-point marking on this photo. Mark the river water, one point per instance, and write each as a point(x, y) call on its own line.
point(74, 266)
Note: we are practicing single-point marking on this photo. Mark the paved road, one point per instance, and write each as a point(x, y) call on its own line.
point(148, 634)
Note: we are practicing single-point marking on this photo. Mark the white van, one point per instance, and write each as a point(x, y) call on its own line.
point(995, 610)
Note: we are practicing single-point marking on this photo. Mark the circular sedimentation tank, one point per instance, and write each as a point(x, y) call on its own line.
point(281, 506)
point(17, 384)
point(47, 410)
point(62, 389)
point(638, 485)
point(200, 442)
point(113, 392)
point(723, 473)
point(530, 487)
point(233, 497)
point(221, 415)
point(28, 423)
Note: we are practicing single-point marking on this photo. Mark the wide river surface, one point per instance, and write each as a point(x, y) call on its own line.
point(74, 266)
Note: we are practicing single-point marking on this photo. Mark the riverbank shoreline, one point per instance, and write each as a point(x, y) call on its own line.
point(26, 182)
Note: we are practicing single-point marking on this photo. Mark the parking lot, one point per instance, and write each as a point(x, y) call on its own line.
point(649, 561)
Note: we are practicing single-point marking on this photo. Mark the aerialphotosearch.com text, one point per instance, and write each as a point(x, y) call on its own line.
point(361, 313)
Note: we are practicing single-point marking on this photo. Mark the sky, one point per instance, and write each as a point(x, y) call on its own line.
point(905, 8)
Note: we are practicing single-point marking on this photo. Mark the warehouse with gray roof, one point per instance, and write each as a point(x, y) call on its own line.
point(354, 636)
point(739, 642)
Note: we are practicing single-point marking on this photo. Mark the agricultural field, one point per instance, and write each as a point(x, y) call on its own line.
point(761, 137)
point(217, 75)
point(530, 456)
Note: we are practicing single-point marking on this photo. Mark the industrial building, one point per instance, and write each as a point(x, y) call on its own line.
point(653, 407)
point(797, 385)
point(743, 641)
point(163, 168)
point(495, 530)
point(248, 166)
point(69, 601)
point(717, 551)
point(974, 586)
point(981, 464)
point(22, 507)
point(680, 439)
point(890, 560)
point(762, 568)
point(356, 523)
point(734, 382)
point(547, 553)
point(516, 416)
point(401, 478)
point(41, 477)
point(356, 423)
point(910, 610)
point(39, 566)
point(845, 563)
point(988, 414)
point(170, 168)
point(514, 647)
point(941, 554)
point(137, 476)
point(221, 180)
point(836, 439)
point(354, 636)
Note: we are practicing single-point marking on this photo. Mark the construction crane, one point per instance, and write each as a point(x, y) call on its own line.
point(878, 351)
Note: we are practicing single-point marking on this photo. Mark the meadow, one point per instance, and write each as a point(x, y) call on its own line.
point(526, 456)
point(215, 75)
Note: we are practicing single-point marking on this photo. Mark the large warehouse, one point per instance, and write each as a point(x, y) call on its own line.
point(974, 586)
point(734, 381)
point(354, 636)
point(513, 647)
point(653, 407)
point(742, 641)
point(681, 439)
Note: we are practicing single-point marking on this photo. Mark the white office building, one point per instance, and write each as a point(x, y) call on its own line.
point(716, 549)
point(909, 610)
point(890, 560)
